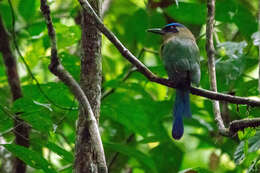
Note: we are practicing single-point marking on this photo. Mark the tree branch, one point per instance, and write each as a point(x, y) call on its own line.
point(152, 77)
point(237, 125)
point(57, 69)
point(211, 62)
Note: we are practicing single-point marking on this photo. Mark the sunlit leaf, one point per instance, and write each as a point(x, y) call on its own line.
point(30, 157)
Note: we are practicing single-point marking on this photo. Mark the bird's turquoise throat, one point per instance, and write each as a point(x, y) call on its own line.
point(180, 55)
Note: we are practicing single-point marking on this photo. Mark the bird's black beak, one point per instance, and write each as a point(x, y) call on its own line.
point(156, 31)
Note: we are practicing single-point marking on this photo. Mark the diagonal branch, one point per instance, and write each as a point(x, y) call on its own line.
point(152, 77)
point(57, 69)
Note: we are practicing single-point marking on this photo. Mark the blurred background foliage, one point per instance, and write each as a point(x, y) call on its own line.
point(136, 115)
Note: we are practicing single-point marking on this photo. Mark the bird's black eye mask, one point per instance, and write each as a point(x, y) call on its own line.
point(170, 28)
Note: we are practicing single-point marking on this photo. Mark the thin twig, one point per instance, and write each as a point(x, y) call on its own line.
point(211, 62)
point(57, 69)
point(152, 77)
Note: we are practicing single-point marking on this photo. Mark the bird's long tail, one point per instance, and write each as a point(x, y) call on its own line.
point(181, 108)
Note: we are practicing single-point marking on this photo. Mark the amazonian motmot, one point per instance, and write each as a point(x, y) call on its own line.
point(180, 55)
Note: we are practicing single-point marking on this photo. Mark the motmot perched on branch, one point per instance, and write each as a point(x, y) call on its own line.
point(180, 55)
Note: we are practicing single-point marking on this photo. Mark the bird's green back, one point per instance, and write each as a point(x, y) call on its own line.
point(181, 59)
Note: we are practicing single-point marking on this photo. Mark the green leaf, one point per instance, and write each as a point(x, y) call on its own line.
point(133, 152)
point(140, 114)
point(37, 28)
point(193, 13)
point(245, 20)
point(240, 135)
point(167, 156)
point(71, 63)
point(225, 10)
point(68, 156)
point(6, 15)
point(51, 89)
point(246, 147)
point(67, 35)
point(27, 9)
point(35, 114)
point(30, 157)
point(246, 133)
point(253, 146)
point(254, 167)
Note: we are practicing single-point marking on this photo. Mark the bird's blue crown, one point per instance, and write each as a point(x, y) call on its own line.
point(174, 24)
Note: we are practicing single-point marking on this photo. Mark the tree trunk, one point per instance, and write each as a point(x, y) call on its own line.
point(86, 160)
point(21, 129)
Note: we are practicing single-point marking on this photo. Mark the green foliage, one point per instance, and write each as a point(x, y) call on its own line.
point(136, 118)
point(27, 9)
point(30, 157)
point(145, 160)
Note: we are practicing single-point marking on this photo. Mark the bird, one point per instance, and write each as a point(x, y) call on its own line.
point(181, 58)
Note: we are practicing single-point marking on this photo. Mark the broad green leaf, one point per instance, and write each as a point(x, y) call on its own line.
point(25, 105)
point(30, 157)
point(40, 120)
point(71, 63)
point(225, 10)
point(6, 14)
point(68, 156)
point(37, 28)
point(67, 35)
point(245, 21)
point(138, 114)
point(36, 115)
point(144, 159)
point(6, 121)
point(27, 9)
point(63, 98)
